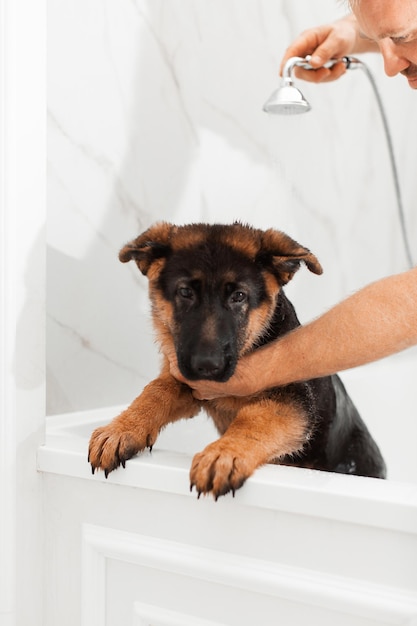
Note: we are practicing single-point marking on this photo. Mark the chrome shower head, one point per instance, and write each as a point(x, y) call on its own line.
point(287, 99)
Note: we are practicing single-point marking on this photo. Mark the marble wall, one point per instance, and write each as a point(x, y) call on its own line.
point(155, 112)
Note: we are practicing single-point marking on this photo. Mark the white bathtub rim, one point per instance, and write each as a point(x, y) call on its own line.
point(350, 499)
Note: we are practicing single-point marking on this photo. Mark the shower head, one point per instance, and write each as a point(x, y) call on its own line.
point(287, 99)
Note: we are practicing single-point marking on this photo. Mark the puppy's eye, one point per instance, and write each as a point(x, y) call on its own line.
point(238, 296)
point(185, 292)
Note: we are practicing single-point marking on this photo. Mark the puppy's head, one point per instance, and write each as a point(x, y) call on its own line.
point(214, 288)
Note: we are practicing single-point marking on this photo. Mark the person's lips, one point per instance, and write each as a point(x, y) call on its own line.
point(411, 76)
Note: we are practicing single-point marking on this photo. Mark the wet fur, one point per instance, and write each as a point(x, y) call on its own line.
point(216, 294)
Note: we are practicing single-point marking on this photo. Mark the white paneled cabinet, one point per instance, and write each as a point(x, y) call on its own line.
point(293, 545)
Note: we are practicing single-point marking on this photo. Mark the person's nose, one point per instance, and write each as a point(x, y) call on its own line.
point(394, 60)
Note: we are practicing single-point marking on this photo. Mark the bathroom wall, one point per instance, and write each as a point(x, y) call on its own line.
point(155, 113)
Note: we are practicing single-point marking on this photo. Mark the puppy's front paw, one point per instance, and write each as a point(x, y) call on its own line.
point(110, 447)
point(221, 467)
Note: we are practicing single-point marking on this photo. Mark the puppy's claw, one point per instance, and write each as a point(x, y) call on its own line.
point(148, 443)
point(106, 473)
point(191, 487)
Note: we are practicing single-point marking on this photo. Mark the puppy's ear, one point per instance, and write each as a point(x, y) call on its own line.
point(151, 245)
point(284, 256)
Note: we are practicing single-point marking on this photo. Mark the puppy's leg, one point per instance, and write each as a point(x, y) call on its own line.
point(162, 401)
point(260, 433)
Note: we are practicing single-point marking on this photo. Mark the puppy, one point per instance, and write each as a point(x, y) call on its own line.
point(217, 293)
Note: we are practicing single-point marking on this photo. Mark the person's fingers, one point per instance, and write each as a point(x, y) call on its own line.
point(321, 75)
point(309, 43)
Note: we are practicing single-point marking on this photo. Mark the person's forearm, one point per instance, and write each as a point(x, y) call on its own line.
point(377, 321)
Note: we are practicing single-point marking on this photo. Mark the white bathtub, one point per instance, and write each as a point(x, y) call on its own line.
point(294, 543)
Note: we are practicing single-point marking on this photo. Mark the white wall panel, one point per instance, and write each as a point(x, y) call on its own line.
point(257, 587)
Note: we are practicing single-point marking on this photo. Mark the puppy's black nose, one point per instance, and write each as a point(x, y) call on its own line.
point(207, 366)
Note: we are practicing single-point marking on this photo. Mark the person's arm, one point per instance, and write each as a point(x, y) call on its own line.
point(329, 41)
point(373, 323)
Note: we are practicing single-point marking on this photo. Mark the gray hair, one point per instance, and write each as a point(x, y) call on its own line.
point(349, 4)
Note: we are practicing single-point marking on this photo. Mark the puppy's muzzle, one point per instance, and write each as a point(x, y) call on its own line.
point(207, 366)
point(216, 365)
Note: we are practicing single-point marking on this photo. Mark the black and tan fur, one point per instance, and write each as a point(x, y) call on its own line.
point(216, 294)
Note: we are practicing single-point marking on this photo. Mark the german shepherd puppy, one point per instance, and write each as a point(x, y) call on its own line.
point(216, 294)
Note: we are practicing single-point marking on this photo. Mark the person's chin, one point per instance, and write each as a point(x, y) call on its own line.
point(412, 81)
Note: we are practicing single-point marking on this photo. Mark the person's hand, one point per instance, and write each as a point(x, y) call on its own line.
point(242, 383)
point(330, 41)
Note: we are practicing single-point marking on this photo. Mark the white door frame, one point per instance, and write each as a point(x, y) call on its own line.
point(22, 305)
